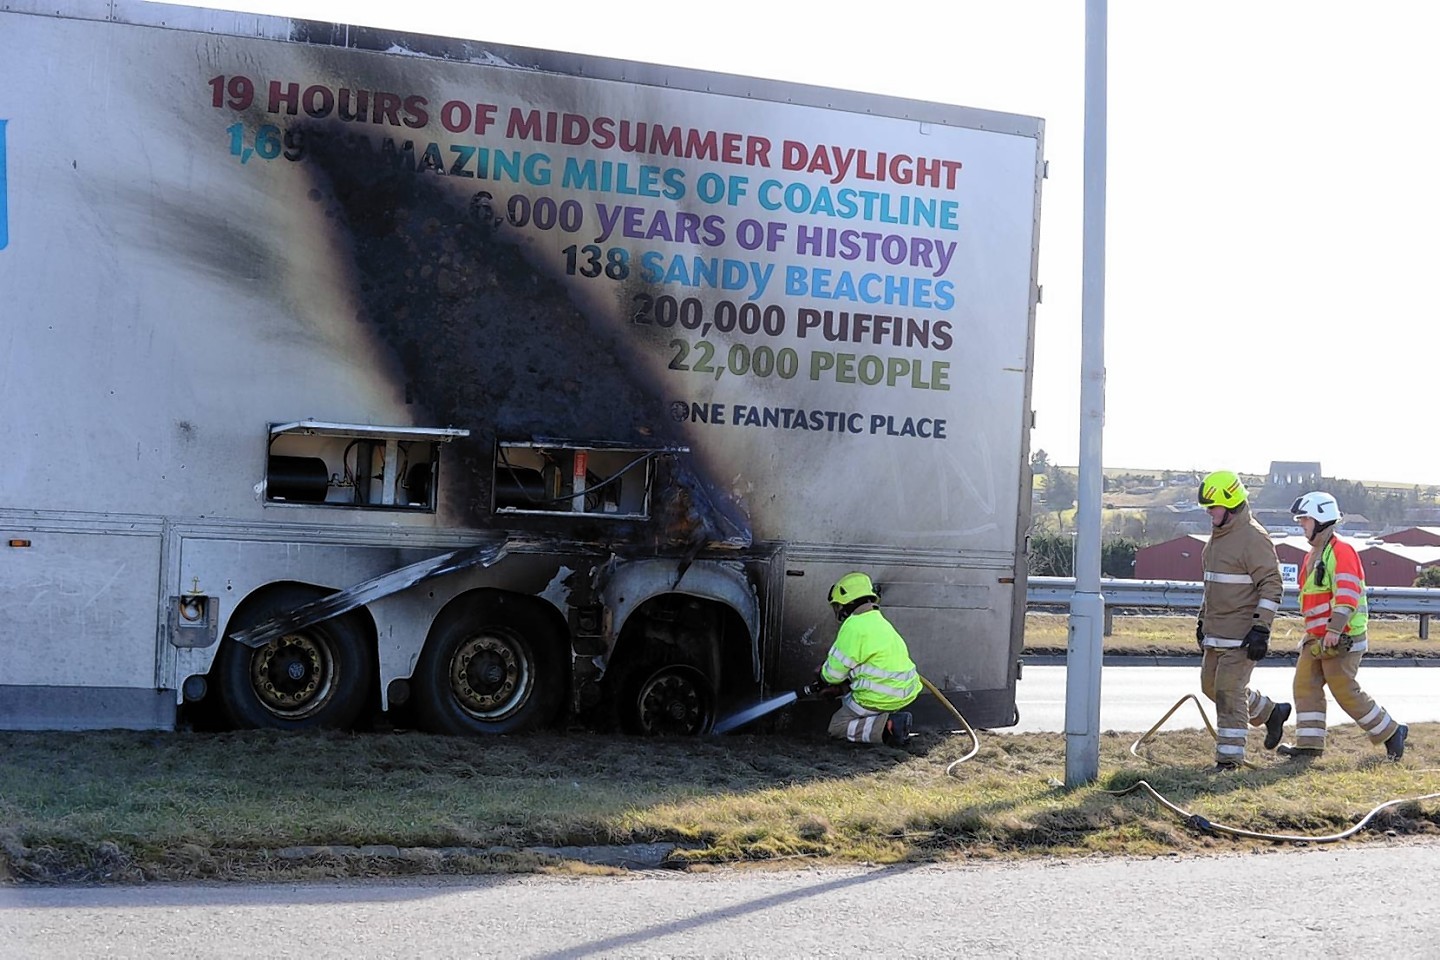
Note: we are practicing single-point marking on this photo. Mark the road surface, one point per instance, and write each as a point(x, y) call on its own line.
point(1135, 698)
point(1088, 908)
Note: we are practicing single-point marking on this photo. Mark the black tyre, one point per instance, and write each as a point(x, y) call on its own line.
point(317, 677)
point(490, 666)
point(674, 699)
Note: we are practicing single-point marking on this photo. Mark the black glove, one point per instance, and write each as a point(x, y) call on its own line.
point(812, 689)
point(1200, 634)
point(820, 690)
point(1257, 642)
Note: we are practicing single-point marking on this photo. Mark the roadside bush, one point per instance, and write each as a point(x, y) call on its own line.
point(1052, 555)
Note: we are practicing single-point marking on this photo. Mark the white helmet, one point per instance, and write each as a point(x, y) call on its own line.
point(1318, 506)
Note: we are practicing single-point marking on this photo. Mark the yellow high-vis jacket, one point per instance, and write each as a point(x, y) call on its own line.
point(871, 655)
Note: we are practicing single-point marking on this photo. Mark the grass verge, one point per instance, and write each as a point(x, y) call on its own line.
point(1048, 633)
point(133, 807)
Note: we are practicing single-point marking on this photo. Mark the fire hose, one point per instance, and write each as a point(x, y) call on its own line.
point(975, 741)
point(822, 689)
point(935, 691)
point(1198, 822)
point(1193, 820)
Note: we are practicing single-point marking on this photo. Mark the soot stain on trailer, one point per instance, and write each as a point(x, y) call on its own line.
point(488, 342)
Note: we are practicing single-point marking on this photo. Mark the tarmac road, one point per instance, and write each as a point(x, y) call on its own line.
point(1380, 903)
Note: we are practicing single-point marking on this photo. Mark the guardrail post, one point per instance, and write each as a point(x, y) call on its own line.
point(1424, 626)
point(1109, 620)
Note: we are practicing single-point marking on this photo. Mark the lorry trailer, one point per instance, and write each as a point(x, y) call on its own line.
point(352, 373)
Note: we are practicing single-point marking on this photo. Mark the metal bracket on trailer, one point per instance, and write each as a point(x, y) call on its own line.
point(373, 589)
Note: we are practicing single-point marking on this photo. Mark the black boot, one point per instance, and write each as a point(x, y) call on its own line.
point(1395, 746)
point(1275, 724)
point(897, 729)
point(1298, 753)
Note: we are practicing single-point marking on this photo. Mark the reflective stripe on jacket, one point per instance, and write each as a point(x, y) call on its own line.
point(1338, 601)
point(1242, 580)
point(871, 655)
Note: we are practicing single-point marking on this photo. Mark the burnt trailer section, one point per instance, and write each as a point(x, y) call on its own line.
point(354, 372)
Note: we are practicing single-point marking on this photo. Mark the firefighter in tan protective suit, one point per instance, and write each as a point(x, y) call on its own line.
point(1332, 600)
point(1242, 594)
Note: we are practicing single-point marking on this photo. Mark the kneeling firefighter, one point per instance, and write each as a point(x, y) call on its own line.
point(870, 664)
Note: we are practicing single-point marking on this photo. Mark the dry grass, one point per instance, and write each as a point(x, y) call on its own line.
point(1047, 633)
point(137, 806)
point(133, 807)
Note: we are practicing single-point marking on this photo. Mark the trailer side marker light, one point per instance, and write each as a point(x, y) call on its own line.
point(19, 543)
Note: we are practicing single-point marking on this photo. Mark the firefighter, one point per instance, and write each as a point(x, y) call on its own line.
point(871, 664)
point(1332, 601)
point(1242, 594)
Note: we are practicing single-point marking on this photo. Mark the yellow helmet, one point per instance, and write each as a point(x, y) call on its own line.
point(850, 588)
point(1222, 489)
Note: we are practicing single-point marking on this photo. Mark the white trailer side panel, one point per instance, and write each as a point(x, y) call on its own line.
point(75, 621)
point(216, 223)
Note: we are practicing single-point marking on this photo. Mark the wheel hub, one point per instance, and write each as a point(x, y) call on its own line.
point(486, 672)
point(292, 675)
point(674, 701)
point(489, 676)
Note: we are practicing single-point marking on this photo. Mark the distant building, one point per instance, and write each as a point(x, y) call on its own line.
point(1357, 525)
point(1396, 565)
point(1291, 551)
point(1294, 473)
point(1177, 559)
point(1414, 537)
point(1386, 564)
point(1276, 521)
point(1282, 522)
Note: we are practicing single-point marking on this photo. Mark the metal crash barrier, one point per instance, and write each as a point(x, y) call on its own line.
point(1045, 592)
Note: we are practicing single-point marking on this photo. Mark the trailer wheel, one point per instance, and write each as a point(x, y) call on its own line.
point(676, 699)
point(487, 669)
point(315, 677)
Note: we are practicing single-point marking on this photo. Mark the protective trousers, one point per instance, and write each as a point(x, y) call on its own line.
point(1224, 674)
point(857, 724)
point(1312, 675)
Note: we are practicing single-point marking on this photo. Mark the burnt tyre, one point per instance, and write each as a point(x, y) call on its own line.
point(671, 700)
point(317, 677)
point(488, 668)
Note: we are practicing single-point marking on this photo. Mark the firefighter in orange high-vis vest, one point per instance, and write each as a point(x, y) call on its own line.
point(870, 664)
point(1332, 601)
point(1242, 594)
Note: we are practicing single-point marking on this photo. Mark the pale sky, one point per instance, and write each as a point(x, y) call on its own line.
point(1272, 194)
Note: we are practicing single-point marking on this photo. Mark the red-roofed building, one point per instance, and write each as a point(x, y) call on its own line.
point(1414, 537)
point(1177, 559)
point(1386, 564)
point(1395, 565)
